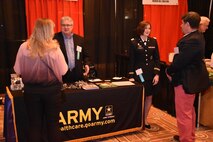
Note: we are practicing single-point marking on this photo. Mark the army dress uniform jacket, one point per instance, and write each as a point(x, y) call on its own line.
point(144, 55)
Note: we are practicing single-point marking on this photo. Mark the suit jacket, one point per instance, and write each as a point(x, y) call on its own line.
point(145, 57)
point(76, 73)
point(191, 52)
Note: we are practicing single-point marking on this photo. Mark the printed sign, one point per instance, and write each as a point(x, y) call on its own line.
point(160, 2)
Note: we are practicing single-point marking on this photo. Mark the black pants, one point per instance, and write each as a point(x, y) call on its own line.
point(42, 105)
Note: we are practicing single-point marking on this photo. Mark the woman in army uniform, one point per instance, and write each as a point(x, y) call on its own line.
point(144, 55)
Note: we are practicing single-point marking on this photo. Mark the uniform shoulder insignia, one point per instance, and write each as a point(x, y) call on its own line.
point(132, 39)
point(134, 42)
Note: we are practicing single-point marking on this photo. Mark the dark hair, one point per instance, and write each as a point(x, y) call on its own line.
point(141, 27)
point(193, 18)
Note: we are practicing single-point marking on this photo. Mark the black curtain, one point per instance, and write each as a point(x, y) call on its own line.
point(12, 34)
point(202, 7)
point(108, 25)
point(99, 24)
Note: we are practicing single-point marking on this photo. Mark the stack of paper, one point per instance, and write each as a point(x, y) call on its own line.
point(123, 83)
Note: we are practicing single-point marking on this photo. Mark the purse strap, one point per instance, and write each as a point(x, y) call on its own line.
point(48, 66)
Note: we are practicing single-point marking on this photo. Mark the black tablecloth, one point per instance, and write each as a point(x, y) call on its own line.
point(85, 114)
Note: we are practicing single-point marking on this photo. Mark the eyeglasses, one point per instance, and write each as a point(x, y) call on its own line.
point(66, 25)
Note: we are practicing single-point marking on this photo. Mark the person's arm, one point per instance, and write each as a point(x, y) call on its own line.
point(156, 58)
point(62, 63)
point(86, 59)
point(157, 64)
point(87, 68)
point(17, 65)
point(60, 66)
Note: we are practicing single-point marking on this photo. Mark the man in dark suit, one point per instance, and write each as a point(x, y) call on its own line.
point(75, 53)
point(191, 50)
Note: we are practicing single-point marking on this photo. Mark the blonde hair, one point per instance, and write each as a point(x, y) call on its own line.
point(41, 39)
point(204, 19)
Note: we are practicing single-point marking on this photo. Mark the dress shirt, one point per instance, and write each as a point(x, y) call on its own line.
point(69, 45)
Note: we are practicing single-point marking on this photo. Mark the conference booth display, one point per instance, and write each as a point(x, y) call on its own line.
point(99, 110)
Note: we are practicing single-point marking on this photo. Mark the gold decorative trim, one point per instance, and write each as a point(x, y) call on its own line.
point(157, 69)
point(13, 111)
point(105, 135)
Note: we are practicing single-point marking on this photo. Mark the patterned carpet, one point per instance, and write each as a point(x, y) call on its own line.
point(163, 129)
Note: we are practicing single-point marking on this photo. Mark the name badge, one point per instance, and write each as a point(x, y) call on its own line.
point(139, 71)
point(79, 48)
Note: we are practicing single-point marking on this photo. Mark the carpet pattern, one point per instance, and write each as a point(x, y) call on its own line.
point(164, 127)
